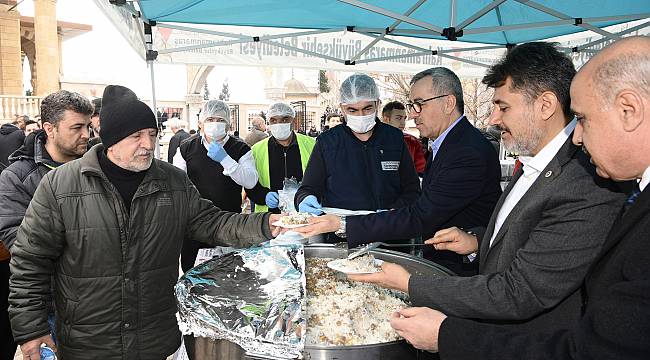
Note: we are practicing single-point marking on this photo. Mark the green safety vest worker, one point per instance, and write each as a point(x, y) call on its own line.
point(261, 155)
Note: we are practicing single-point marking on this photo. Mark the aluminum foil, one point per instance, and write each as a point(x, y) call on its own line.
point(252, 297)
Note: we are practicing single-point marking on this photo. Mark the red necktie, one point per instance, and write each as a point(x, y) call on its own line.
point(518, 165)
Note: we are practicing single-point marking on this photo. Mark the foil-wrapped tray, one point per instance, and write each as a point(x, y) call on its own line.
point(252, 297)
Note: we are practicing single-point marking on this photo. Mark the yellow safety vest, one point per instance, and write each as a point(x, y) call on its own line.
point(261, 155)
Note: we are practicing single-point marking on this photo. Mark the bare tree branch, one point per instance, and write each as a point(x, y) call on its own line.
point(478, 101)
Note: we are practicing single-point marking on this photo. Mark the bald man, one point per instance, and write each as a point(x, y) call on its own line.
point(611, 99)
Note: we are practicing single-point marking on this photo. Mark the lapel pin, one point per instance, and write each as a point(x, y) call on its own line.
point(548, 173)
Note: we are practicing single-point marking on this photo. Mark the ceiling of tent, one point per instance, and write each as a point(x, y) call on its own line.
point(481, 21)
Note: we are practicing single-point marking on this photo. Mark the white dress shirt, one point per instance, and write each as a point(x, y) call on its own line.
point(437, 143)
point(242, 172)
point(645, 179)
point(532, 166)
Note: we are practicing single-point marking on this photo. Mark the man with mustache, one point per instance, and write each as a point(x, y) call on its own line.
point(611, 99)
point(551, 221)
point(64, 138)
point(108, 228)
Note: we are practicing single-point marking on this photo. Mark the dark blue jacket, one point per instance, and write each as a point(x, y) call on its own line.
point(460, 188)
point(347, 173)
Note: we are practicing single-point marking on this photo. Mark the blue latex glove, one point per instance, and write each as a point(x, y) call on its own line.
point(310, 205)
point(216, 152)
point(272, 199)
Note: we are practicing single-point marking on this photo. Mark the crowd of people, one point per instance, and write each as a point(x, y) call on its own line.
point(93, 226)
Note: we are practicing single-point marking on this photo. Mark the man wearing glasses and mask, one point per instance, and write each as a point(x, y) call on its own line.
point(284, 155)
point(362, 165)
point(218, 165)
point(461, 182)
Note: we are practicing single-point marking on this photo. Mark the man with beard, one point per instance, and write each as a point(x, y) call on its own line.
point(65, 120)
point(550, 223)
point(611, 99)
point(108, 228)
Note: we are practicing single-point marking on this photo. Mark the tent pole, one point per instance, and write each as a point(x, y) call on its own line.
point(153, 101)
point(150, 57)
point(584, 24)
point(452, 13)
point(393, 15)
point(464, 60)
point(478, 14)
point(390, 28)
point(621, 33)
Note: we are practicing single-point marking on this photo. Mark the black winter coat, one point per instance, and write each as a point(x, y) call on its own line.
point(175, 143)
point(18, 183)
point(11, 138)
point(114, 271)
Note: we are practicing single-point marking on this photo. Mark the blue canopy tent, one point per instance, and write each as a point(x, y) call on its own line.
point(479, 25)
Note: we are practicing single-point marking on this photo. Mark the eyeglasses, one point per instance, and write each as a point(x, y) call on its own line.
point(417, 105)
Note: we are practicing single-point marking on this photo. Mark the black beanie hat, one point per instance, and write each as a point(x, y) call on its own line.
point(122, 114)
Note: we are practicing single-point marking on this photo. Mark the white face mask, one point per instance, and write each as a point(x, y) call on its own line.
point(360, 124)
point(281, 131)
point(215, 131)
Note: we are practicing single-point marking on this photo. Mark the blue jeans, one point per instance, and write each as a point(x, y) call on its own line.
point(50, 321)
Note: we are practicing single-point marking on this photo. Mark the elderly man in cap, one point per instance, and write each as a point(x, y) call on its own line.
point(108, 228)
point(282, 156)
point(218, 165)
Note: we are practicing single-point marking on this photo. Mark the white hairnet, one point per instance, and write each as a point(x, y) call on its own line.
point(216, 108)
point(358, 87)
point(280, 109)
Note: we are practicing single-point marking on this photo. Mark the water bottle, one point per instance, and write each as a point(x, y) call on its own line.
point(47, 353)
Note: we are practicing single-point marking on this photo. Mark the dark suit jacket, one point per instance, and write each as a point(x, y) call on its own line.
point(460, 188)
point(616, 319)
point(174, 143)
point(531, 276)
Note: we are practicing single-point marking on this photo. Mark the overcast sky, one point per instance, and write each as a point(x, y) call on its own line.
point(103, 56)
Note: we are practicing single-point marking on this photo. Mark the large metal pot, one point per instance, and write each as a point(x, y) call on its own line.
point(388, 351)
point(397, 350)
